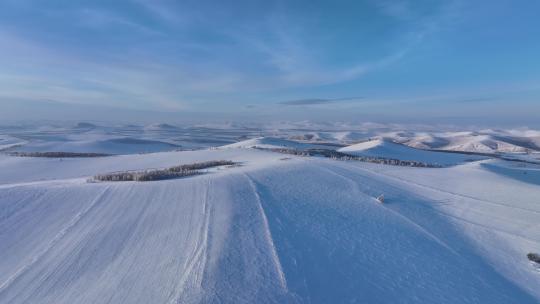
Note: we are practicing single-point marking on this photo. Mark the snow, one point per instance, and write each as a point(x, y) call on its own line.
point(305, 230)
point(7, 142)
point(497, 212)
point(100, 138)
point(482, 143)
point(31, 169)
point(524, 172)
point(427, 141)
point(276, 229)
point(160, 126)
point(388, 149)
point(124, 139)
point(486, 141)
point(335, 136)
point(274, 142)
point(114, 145)
point(85, 125)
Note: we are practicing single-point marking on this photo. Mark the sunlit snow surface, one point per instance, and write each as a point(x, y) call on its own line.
point(278, 229)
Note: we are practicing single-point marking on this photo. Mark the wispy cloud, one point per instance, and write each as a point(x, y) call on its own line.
point(267, 52)
point(106, 19)
point(400, 9)
point(476, 100)
point(315, 101)
point(174, 55)
point(163, 12)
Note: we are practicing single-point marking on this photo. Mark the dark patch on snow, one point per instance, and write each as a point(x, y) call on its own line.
point(534, 257)
point(85, 125)
point(58, 154)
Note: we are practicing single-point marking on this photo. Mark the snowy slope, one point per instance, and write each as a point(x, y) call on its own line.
point(481, 143)
point(496, 209)
point(486, 141)
point(426, 141)
point(7, 142)
point(335, 136)
point(160, 126)
point(274, 142)
point(528, 173)
point(32, 169)
point(123, 139)
point(114, 145)
point(388, 149)
point(304, 230)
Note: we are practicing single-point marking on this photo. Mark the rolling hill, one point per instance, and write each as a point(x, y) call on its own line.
point(274, 230)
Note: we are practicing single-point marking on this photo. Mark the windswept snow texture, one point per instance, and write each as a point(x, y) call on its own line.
point(388, 149)
point(301, 230)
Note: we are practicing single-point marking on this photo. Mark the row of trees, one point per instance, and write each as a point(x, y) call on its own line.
point(57, 154)
point(336, 155)
point(161, 174)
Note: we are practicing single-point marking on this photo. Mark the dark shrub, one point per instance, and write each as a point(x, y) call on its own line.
point(534, 257)
point(160, 174)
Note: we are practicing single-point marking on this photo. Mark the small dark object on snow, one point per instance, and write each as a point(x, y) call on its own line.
point(534, 257)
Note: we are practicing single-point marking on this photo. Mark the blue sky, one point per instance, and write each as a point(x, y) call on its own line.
point(369, 59)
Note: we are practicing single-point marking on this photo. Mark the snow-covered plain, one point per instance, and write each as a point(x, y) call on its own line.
point(123, 139)
point(277, 229)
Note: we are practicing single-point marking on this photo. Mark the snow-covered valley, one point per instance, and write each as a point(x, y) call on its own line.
point(276, 229)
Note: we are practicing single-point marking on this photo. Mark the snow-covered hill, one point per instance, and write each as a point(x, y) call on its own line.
point(103, 144)
point(7, 142)
point(388, 149)
point(87, 137)
point(276, 143)
point(481, 142)
point(275, 230)
point(160, 127)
